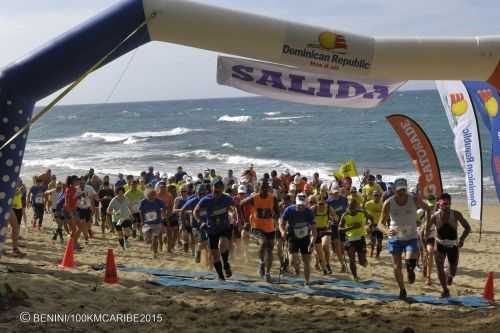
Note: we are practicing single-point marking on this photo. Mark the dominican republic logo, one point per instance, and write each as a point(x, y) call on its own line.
point(329, 41)
point(458, 104)
point(490, 102)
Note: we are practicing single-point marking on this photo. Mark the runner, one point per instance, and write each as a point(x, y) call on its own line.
point(175, 222)
point(244, 226)
point(168, 199)
point(36, 197)
point(200, 236)
point(265, 209)
point(339, 205)
point(217, 206)
point(353, 223)
point(105, 195)
point(119, 209)
point(153, 213)
point(297, 222)
point(17, 202)
point(120, 182)
point(70, 206)
point(447, 242)
point(15, 225)
point(373, 209)
point(323, 214)
point(369, 188)
point(134, 197)
point(96, 183)
point(284, 263)
point(402, 210)
point(85, 195)
point(49, 197)
point(57, 194)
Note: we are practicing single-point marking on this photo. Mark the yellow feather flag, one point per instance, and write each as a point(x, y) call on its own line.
point(348, 169)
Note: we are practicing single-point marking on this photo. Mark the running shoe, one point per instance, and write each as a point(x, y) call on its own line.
point(268, 278)
point(411, 275)
point(445, 293)
point(402, 294)
point(329, 269)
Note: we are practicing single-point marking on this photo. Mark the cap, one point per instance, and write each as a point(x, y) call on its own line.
point(400, 184)
point(300, 199)
point(242, 189)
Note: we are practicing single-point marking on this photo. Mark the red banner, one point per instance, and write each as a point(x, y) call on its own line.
point(421, 152)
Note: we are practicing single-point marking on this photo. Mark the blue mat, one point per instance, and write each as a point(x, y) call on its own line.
point(469, 301)
point(239, 277)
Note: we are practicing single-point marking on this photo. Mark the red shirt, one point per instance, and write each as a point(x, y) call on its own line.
point(70, 200)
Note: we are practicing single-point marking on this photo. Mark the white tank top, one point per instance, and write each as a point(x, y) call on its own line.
point(403, 219)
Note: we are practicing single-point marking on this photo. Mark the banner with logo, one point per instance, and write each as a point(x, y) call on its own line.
point(463, 122)
point(486, 100)
point(348, 169)
point(421, 152)
point(294, 85)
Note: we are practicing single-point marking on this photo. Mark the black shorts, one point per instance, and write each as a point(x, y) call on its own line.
point(376, 233)
point(39, 210)
point(358, 246)
point(84, 214)
point(451, 253)
point(322, 232)
point(213, 239)
point(335, 233)
point(104, 212)
point(172, 222)
point(19, 215)
point(125, 224)
point(259, 234)
point(136, 218)
point(299, 244)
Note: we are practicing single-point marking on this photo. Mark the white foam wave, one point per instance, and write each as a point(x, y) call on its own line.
point(286, 118)
point(235, 119)
point(272, 113)
point(131, 138)
point(227, 145)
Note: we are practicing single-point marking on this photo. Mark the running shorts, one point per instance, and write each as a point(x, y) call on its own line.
point(358, 246)
point(259, 234)
point(125, 224)
point(450, 252)
point(301, 245)
point(84, 214)
point(213, 239)
point(400, 246)
point(322, 232)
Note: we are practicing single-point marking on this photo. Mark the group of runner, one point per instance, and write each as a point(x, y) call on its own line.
point(217, 217)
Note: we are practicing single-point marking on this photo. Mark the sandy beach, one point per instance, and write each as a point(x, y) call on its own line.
point(40, 286)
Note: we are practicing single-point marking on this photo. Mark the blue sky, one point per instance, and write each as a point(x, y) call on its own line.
point(28, 24)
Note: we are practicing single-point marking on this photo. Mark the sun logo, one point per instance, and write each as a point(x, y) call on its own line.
point(490, 102)
point(458, 104)
point(330, 41)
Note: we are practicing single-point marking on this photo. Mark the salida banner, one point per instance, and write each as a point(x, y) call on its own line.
point(295, 85)
point(421, 152)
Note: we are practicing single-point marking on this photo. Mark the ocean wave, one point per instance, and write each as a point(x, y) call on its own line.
point(286, 118)
point(227, 145)
point(136, 137)
point(272, 113)
point(235, 119)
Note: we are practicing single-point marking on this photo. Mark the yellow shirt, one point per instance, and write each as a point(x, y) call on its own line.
point(17, 201)
point(374, 209)
point(368, 190)
point(321, 216)
point(349, 220)
point(356, 197)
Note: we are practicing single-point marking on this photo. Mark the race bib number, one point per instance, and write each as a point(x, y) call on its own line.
point(301, 232)
point(39, 198)
point(150, 217)
point(264, 213)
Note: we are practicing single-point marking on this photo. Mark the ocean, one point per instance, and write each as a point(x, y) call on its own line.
point(231, 133)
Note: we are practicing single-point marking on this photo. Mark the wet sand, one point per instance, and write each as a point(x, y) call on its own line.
point(41, 286)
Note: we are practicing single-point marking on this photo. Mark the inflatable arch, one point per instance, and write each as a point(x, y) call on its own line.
point(65, 59)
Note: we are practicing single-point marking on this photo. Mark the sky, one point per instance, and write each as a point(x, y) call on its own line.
point(162, 71)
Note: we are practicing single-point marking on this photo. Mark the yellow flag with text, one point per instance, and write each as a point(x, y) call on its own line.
point(348, 169)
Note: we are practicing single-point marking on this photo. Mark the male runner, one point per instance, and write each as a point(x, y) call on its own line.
point(373, 210)
point(298, 220)
point(152, 215)
point(265, 209)
point(447, 242)
point(119, 209)
point(403, 234)
point(217, 206)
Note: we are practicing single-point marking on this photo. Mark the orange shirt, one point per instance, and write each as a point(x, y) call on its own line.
point(262, 213)
point(167, 199)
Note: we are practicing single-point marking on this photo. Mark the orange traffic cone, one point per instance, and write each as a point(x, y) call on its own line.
point(110, 275)
point(489, 289)
point(68, 260)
